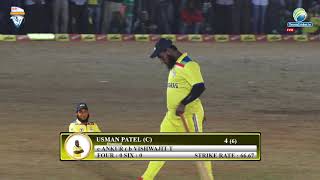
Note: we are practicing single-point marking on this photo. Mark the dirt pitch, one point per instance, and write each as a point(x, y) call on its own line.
point(268, 87)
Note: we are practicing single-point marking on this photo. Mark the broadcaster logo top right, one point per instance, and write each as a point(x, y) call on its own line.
point(299, 15)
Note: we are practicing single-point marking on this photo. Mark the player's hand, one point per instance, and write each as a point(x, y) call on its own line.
point(180, 109)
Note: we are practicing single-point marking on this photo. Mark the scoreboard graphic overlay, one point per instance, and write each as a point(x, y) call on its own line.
point(161, 146)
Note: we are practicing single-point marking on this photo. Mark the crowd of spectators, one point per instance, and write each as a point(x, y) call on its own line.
point(154, 16)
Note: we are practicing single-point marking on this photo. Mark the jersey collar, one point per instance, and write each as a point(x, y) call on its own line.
point(79, 122)
point(182, 57)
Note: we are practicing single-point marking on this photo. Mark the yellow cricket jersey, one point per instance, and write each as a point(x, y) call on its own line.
point(75, 149)
point(77, 126)
point(182, 77)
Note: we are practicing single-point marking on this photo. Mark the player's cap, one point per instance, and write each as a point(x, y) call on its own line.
point(81, 106)
point(161, 46)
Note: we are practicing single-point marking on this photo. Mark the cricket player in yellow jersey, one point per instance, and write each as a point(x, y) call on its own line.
point(185, 85)
point(77, 150)
point(82, 124)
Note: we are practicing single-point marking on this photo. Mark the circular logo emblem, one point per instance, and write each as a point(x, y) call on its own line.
point(78, 146)
point(299, 15)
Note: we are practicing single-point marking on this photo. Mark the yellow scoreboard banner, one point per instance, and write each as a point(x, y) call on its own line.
point(274, 37)
point(62, 37)
point(195, 37)
point(172, 37)
point(8, 38)
point(41, 36)
point(248, 37)
point(88, 37)
point(142, 37)
point(160, 146)
point(222, 38)
point(301, 38)
point(114, 37)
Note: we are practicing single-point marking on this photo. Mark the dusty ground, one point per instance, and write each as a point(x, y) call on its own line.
point(269, 87)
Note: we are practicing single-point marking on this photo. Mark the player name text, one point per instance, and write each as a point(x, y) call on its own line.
point(118, 139)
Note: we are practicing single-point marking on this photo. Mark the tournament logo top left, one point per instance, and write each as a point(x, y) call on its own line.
point(17, 16)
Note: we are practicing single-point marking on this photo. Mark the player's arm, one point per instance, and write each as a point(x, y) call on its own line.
point(78, 152)
point(71, 127)
point(193, 75)
point(195, 93)
point(96, 128)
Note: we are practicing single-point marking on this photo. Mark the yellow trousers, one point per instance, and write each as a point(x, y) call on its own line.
point(172, 123)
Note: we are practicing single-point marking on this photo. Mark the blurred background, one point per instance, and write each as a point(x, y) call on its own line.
point(158, 16)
